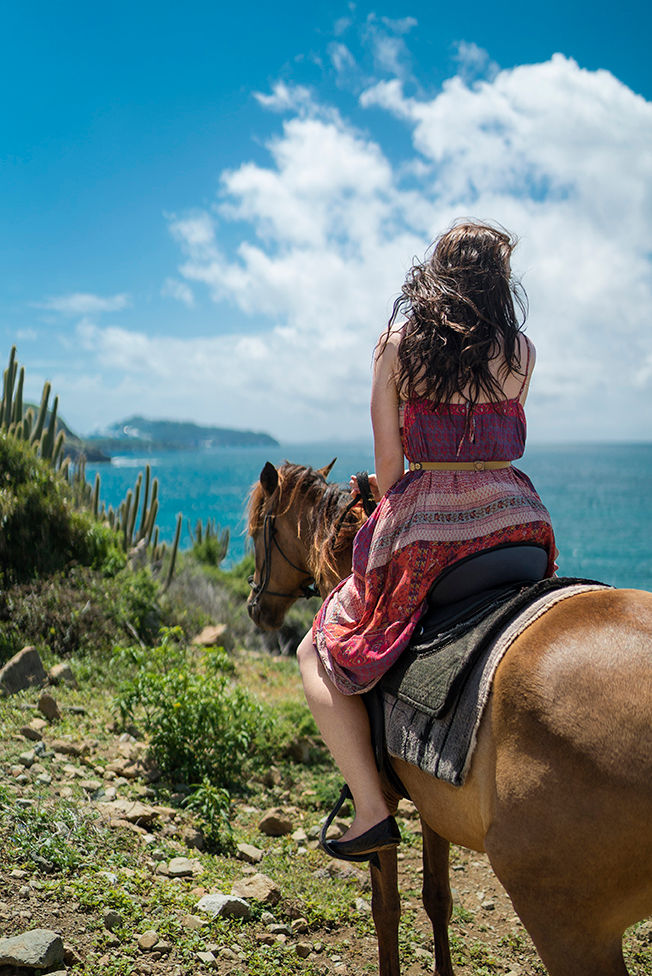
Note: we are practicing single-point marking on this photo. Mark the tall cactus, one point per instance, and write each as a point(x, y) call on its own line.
point(8, 390)
point(173, 554)
point(96, 496)
point(17, 411)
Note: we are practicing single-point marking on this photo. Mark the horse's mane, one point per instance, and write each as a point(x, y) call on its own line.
point(330, 528)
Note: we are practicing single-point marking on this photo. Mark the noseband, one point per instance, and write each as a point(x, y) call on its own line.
point(307, 589)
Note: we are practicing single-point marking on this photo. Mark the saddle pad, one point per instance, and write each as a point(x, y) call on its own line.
point(432, 669)
point(443, 746)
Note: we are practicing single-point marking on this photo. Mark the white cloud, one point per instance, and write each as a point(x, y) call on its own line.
point(342, 59)
point(179, 290)
point(286, 98)
point(84, 303)
point(388, 47)
point(474, 62)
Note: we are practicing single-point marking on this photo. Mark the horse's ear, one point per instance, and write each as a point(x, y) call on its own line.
point(324, 472)
point(269, 478)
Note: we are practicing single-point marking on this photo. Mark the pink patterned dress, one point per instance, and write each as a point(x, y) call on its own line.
point(423, 523)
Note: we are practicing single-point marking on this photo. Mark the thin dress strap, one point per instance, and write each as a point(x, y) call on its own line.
point(527, 371)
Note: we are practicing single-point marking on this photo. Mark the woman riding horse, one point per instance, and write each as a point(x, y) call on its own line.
point(450, 379)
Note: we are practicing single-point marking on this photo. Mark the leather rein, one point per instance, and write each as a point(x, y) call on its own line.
point(308, 588)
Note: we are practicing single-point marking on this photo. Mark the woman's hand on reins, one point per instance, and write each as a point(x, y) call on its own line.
point(373, 485)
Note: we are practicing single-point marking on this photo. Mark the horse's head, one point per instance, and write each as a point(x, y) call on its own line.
point(282, 524)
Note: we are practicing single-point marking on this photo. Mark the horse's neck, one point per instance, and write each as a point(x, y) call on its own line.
point(329, 559)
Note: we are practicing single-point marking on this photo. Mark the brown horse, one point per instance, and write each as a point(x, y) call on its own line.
point(559, 794)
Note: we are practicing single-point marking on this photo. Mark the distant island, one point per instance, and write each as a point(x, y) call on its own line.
point(137, 435)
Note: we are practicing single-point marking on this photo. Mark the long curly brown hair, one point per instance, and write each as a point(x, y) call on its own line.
point(462, 309)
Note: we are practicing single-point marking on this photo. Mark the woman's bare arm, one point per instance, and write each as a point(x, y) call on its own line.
point(388, 449)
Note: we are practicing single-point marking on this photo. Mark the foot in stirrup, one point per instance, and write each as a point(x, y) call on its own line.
point(364, 847)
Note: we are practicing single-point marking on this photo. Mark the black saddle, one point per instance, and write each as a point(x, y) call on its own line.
point(479, 580)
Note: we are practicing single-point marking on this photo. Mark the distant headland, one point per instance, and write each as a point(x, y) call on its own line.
point(138, 435)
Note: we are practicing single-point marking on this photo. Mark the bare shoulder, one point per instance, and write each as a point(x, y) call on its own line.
point(389, 341)
point(386, 351)
point(527, 351)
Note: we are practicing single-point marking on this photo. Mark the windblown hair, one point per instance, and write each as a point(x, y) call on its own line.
point(460, 309)
point(329, 529)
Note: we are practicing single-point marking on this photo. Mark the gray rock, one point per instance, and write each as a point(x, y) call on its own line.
point(193, 922)
point(193, 837)
point(47, 706)
point(259, 887)
point(147, 940)
point(250, 854)
point(275, 823)
point(184, 867)
point(211, 636)
point(224, 906)
point(112, 919)
point(206, 957)
point(28, 732)
point(62, 672)
point(38, 949)
point(23, 670)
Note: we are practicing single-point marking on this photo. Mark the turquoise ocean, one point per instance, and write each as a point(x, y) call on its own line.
point(599, 496)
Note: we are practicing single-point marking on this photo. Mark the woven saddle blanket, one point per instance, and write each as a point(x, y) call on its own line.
point(434, 697)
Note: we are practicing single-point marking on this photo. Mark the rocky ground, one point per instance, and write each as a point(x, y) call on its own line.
point(98, 853)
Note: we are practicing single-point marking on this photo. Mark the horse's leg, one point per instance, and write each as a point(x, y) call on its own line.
point(386, 911)
point(437, 899)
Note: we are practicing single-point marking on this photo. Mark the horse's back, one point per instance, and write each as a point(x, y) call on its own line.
point(581, 676)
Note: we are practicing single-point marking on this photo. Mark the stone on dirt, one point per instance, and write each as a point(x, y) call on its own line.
point(224, 905)
point(249, 853)
point(192, 922)
point(185, 867)
point(148, 940)
point(211, 636)
point(131, 810)
point(28, 732)
point(259, 887)
point(37, 949)
point(47, 706)
point(67, 747)
point(275, 823)
point(62, 673)
point(23, 670)
point(112, 919)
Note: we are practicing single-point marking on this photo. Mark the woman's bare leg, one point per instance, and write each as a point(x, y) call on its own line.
point(344, 725)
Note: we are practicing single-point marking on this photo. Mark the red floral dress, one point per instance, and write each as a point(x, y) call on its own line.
point(423, 523)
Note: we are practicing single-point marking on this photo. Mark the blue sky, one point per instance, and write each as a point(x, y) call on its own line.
point(206, 210)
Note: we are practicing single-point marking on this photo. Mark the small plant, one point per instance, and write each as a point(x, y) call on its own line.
point(212, 805)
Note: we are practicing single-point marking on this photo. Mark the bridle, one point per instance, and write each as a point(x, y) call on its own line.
point(306, 589)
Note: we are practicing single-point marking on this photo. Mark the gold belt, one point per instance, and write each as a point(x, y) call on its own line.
point(458, 465)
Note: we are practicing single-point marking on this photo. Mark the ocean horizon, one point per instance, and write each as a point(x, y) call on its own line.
point(598, 495)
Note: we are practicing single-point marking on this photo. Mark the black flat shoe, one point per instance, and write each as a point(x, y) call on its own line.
point(365, 847)
point(379, 837)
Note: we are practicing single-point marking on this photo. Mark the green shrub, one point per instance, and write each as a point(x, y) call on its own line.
point(199, 727)
point(41, 531)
